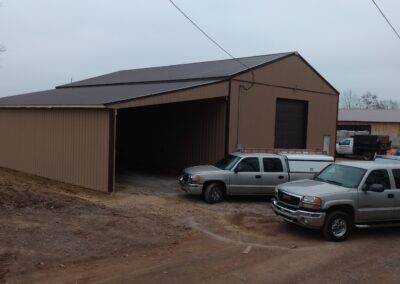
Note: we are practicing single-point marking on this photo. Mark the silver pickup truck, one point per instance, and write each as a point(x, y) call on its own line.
point(249, 174)
point(343, 195)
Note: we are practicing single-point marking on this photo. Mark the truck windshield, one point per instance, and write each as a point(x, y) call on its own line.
point(341, 175)
point(228, 162)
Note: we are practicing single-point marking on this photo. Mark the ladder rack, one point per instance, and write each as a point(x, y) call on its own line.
point(282, 151)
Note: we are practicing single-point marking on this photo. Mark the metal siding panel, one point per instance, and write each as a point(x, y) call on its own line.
point(61, 144)
point(290, 72)
point(198, 93)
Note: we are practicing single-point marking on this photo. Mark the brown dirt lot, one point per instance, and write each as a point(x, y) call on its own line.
point(51, 232)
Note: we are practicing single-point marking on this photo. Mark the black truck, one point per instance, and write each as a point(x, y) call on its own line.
point(366, 146)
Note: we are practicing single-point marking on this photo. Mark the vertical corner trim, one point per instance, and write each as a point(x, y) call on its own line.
point(111, 150)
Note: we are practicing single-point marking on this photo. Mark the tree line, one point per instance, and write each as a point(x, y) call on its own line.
point(350, 100)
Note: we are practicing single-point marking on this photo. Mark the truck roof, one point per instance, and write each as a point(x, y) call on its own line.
point(298, 157)
point(367, 165)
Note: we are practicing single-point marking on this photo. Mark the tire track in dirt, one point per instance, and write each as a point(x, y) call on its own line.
point(196, 226)
point(5, 259)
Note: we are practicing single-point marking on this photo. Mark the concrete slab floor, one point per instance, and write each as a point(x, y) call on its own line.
point(135, 181)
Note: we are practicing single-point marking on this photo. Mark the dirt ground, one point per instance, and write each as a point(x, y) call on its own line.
point(51, 232)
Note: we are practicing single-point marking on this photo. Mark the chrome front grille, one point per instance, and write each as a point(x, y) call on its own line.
point(288, 198)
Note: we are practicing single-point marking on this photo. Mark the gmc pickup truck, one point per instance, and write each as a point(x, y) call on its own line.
point(249, 174)
point(342, 196)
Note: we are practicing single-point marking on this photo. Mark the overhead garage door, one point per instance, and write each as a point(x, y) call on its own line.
point(291, 124)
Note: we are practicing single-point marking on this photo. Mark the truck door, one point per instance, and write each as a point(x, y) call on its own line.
point(272, 175)
point(345, 147)
point(376, 206)
point(396, 193)
point(246, 177)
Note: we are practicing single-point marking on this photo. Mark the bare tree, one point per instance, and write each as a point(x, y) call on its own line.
point(370, 101)
point(389, 104)
point(349, 100)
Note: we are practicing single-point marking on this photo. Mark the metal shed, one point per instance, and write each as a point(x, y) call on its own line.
point(373, 121)
point(173, 116)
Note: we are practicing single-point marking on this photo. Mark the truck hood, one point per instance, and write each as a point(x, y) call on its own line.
point(312, 188)
point(199, 170)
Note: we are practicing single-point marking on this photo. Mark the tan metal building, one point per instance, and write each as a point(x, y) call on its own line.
point(375, 121)
point(171, 116)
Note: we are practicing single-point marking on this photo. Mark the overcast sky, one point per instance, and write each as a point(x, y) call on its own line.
point(49, 42)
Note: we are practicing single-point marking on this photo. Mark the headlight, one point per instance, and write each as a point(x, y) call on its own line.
point(311, 202)
point(194, 179)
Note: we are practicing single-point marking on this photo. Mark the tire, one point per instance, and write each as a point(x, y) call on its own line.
point(337, 227)
point(368, 156)
point(213, 193)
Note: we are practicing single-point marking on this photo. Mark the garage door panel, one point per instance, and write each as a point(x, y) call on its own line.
point(291, 124)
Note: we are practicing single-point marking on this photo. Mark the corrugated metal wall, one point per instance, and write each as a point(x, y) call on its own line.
point(292, 79)
point(68, 145)
point(174, 135)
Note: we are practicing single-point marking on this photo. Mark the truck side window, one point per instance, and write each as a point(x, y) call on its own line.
point(396, 174)
point(272, 165)
point(249, 165)
point(378, 177)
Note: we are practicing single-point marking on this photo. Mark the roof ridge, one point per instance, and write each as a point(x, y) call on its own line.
point(222, 78)
point(209, 61)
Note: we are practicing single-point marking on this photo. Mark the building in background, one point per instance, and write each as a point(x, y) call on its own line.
point(372, 121)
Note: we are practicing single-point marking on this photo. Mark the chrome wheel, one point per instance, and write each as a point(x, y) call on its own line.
point(215, 195)
point(339, 227)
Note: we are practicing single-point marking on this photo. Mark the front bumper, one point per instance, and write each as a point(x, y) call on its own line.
point(313, 220)
point(191, 188)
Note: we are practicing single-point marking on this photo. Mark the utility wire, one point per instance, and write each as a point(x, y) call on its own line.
point(387, 20)
point(206, 35)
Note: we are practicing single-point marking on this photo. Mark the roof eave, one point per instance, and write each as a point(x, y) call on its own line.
point(53, 106)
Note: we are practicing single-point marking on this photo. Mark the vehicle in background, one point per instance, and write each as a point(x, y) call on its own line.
point(366, 146)
point(386, 159)
point(250, 174)
point(343, 195)
point(393, 152)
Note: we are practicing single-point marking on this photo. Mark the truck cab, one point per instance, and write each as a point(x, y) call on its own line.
point(345, 146)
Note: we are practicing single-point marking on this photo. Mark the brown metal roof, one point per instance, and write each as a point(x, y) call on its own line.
point(98, 95)
point(131, 84)
point(369, 115)
point(193, 71)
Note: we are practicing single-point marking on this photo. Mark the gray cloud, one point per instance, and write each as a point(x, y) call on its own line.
point(48, 42)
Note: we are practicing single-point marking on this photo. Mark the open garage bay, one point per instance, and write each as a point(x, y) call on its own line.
point(171, 136)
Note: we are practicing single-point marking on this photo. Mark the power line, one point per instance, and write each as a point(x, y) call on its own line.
point(206, 35)
point(387, 20)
